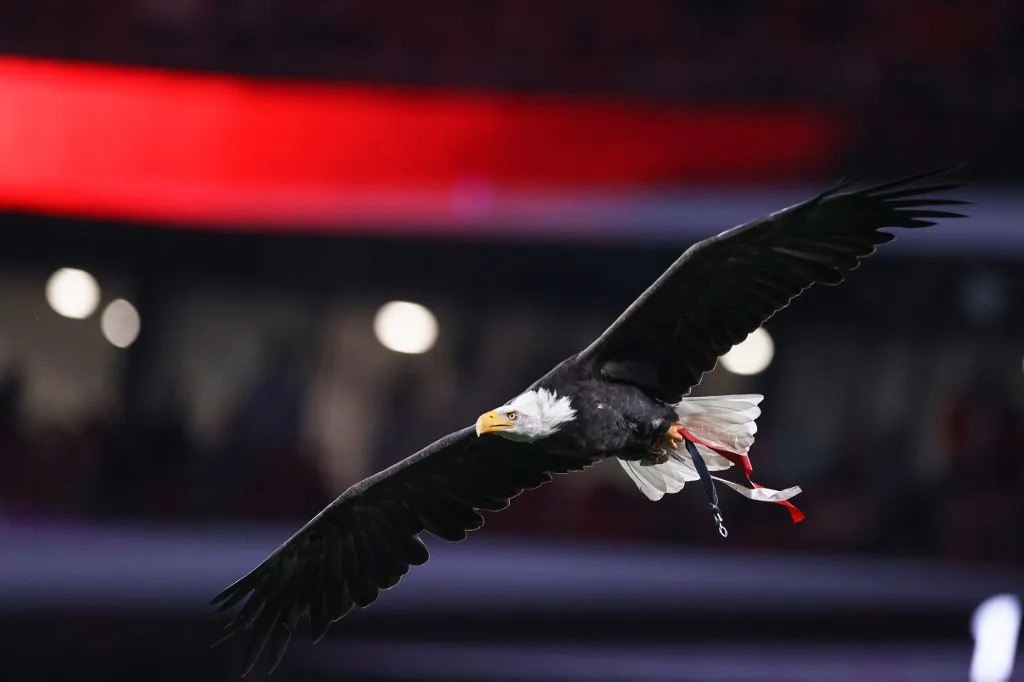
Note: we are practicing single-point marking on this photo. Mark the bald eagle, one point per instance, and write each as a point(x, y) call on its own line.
point(622, 397)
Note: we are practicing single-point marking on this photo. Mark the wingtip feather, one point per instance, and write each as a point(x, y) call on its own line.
point(918, 177)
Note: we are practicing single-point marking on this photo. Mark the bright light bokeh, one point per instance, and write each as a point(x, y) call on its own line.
point(405, 327)
point(120, 323)
point(73, 293)
point(996, 630)
point(752, 355)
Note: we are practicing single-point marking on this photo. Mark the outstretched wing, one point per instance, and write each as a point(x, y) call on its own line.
point(365, 540)
point(725, 287)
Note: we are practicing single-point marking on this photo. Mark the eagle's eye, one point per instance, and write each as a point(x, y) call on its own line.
point(512, 416)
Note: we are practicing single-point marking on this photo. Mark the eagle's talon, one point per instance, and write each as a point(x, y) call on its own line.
point(674, 436)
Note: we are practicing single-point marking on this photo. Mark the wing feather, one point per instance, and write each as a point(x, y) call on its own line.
point(725, 287)
point(366, 540)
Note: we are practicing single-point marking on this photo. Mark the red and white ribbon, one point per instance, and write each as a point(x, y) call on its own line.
point(758, 492)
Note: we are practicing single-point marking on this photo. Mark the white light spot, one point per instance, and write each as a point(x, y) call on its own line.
point(996, 628)
point(405, 327)
point(73, 293)
point(752, 355)
point(120, 323)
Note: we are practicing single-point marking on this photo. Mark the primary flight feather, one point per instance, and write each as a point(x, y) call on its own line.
point(623, 397)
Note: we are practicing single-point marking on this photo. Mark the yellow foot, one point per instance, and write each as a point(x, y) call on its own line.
point(674, 436)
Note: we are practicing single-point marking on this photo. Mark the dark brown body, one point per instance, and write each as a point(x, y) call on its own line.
point(612, 418)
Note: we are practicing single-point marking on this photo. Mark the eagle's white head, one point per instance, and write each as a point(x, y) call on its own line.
point(528, 417)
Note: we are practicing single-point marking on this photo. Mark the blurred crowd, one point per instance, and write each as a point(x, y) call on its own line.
point(868, 495)
point(919, 76)
point(916, 75)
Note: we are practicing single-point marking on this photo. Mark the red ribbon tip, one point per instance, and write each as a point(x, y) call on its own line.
point(743, 461)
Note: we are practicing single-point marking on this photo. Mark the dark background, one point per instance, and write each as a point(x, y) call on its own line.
point(136, 482)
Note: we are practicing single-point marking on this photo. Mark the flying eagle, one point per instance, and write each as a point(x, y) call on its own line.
point(621, 397)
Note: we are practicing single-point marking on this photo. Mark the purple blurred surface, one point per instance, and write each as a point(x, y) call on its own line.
point(131, 568)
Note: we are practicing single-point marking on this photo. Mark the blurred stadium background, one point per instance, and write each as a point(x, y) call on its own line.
point(206, 205)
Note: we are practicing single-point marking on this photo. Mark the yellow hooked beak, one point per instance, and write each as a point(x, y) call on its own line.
point(491, 422)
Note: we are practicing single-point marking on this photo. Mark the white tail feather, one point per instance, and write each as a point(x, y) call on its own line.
point(661, 479)
point(656, 481)
point(726, 422)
